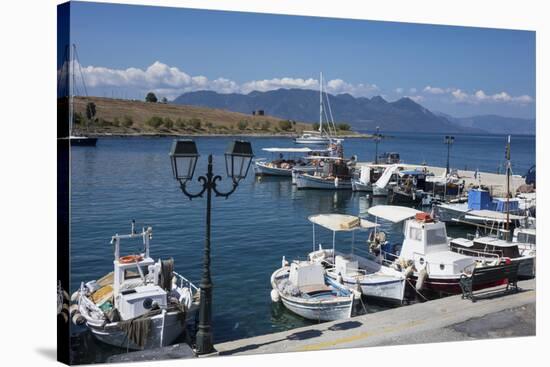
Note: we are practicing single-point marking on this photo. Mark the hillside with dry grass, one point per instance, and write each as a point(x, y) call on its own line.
point(127, 117)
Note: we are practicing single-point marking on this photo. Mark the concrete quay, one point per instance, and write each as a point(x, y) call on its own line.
point(496, 314)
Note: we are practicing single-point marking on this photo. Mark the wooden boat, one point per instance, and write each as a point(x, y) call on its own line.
point(303, 289)
point(284, 166)
point(334, 173)
point(142, 304)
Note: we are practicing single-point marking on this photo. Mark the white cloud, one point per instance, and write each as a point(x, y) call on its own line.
point(480, 96)
point(412, 90)
point(399, 90)
point(170, 82)
point(434, 90)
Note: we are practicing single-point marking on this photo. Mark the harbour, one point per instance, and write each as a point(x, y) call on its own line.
point(137, 170)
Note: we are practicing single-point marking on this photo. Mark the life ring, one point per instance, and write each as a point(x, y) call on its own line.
point(130, 259)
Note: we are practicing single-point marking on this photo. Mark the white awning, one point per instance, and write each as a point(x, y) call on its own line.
point(312, 157)
point(287, 150)
point(493, 215)
point(341, 222)
point(393, 213)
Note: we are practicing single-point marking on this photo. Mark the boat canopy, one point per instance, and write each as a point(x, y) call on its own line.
point(393, 213)
point(341, 222)
point(493, 215)
point(312, 157)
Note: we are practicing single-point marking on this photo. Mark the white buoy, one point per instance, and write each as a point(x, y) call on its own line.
point(74, 296)
point(73, 309)
point(275, 297)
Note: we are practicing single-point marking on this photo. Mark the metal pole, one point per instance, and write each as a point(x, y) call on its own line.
point(204, 333)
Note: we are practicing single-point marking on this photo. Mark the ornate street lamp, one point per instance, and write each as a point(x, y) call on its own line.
point(449, 140)
point(377, 138)
point(184, 156)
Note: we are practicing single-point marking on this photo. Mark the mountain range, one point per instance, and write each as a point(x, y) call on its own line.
point(361, 113)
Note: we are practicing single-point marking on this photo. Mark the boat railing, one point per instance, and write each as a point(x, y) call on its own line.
point(497, 254)
point(185, 283)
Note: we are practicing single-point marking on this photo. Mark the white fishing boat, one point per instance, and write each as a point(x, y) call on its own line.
point(326, 130)
point(368, 174)
point(303, 289)
point(358, 269)
point(284, 166)
point(425, 255)
point(142, 304)
point(333, 173)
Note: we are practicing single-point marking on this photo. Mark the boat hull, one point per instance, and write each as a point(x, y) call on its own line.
point(305, 181)
point(324, 311)
point(261, 169)
point(384, 288)
point(356, 185)
point(379, 191)
point(162, 332)
point(309, 141)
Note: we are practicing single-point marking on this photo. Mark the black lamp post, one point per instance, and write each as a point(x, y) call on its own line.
point(449, 140)
point(184, 156)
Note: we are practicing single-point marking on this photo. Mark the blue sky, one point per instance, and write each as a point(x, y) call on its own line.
point(127, 50)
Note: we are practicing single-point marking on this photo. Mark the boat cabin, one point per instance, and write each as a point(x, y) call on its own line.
point(137, 278)
point(485, 246)
point(389, 158)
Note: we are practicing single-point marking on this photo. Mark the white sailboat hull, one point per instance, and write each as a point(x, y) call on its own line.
point(312, 141)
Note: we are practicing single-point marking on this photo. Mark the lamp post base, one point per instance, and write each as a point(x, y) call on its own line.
point(213, 353)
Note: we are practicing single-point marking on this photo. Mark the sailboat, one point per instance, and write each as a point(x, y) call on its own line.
point(76, 139)
point(321, 136)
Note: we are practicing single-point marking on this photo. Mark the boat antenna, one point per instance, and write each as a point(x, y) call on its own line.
point(508, 169)
point(321, 102)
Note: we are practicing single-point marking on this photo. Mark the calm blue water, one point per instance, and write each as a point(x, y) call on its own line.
point(130, 178)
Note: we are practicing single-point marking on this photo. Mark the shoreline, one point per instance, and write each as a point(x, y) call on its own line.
point(215, 135)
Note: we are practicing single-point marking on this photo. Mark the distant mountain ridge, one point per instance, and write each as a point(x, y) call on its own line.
point(495, 124)
point(361, 112)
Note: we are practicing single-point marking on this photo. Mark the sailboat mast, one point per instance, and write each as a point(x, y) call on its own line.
point(321, 102)
point(508, 169)
point(71, 87)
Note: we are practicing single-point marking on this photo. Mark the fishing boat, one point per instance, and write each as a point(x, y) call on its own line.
point(386, 181)
point(365, 177)
point(425, 256)
point(490, 249)
point(357, 269)
point(326, 131)
point(333, 173)
point(284, 166)
point(142, 304)
point(410, 187)
point(304, 289)
point(389, 158)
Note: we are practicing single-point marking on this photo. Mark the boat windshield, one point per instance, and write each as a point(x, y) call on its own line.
point(436, 236)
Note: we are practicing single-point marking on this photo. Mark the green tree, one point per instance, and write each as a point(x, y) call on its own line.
point(127, 121)
point(265, 125)
point(90, 110)
point(242, 125)
point(315, 126)
point(155, 122)
point(151, 97)
point(168, 123)
point(116, 121)
point(285, 125)
point(343, 126)
point(163, 100)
